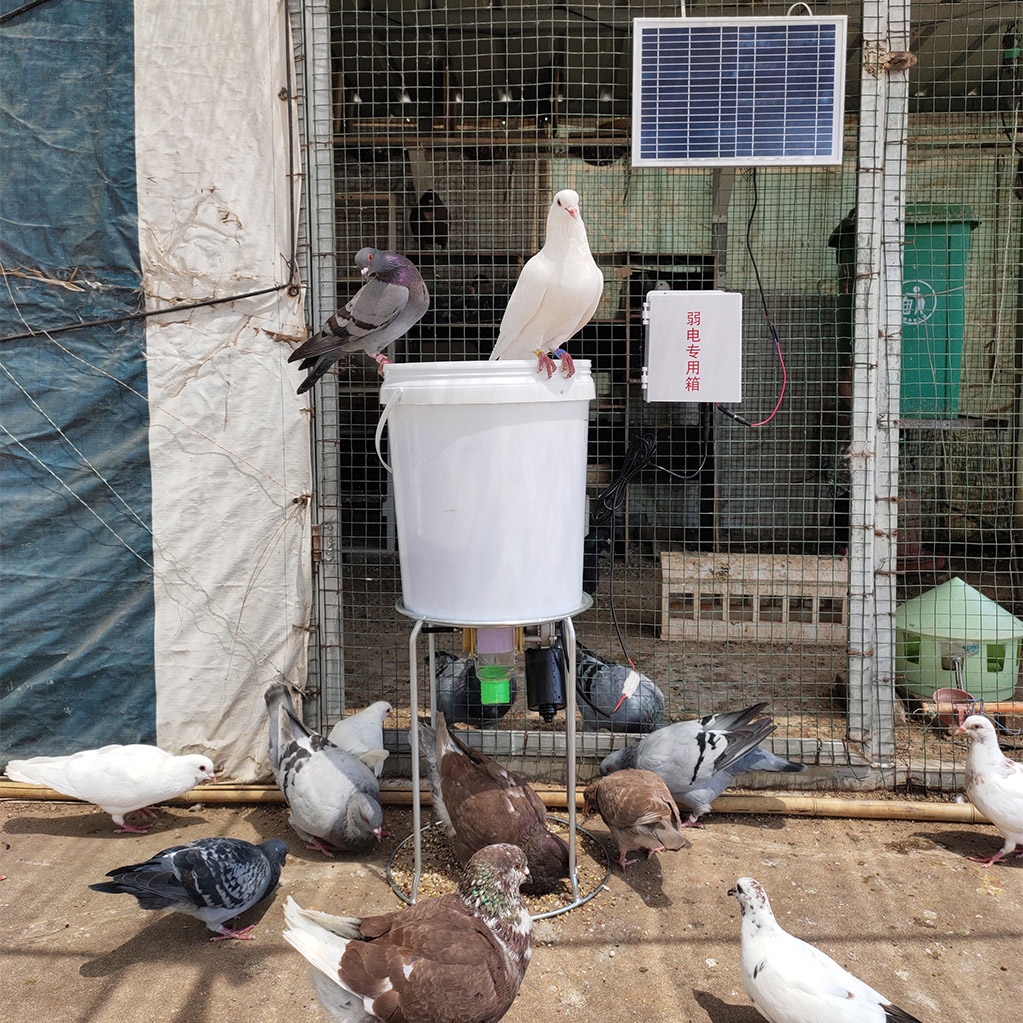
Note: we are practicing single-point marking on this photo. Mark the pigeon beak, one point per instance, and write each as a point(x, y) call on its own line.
point(382, 832)
point(732, 891)
point(572, 211)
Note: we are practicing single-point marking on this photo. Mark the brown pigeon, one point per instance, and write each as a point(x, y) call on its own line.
point(456, 957)
point(479, 803)
point(638, 808)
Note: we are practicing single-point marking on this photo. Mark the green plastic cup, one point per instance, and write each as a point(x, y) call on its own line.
point(495, 685)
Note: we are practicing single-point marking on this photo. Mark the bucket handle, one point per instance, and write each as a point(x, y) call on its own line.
point(395, 398)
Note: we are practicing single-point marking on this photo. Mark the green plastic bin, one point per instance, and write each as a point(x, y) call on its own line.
point(937, 245)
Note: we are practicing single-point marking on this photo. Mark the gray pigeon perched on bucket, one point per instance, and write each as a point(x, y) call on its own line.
point(556, 294)
point(333, 797)
point(994, 784)
point(214, 879)
point(121, 780)
point(479, 802)
point(362, 735)
point(791, 981)
point(699, 759)
point(639, 810)
point(458, 691)
point(458, 957)
point(393, 299)
point(599, 687)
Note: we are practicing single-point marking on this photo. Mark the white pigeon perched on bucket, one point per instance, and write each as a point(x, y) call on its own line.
point(121, 780)
point(460, 956)
point(393, 299)
point(699, 759)
point(333, 798)
point(362, 735)
point(791, 981)
point(214, 879)
point(556, 294)
point(994, 784)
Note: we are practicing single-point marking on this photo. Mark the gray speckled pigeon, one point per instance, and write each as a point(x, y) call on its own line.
point(333, 797)
point(457, 958)
point(458, 691)
point(556, 294)
point(598, 688)
point(121, 780)
point(215, 879)
point(479, 802)
point(638, 809)
point(791, 981)
point(698, 759)
point(393, 299)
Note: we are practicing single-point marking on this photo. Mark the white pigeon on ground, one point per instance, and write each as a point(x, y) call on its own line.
point(459, 957)
point(333, 797)
point(556, 294)
point(214, 879)
point(393, 299)
point(791, 981)
point(121, 780)
point(362, 735)
point(994, 784)
point(699, 759)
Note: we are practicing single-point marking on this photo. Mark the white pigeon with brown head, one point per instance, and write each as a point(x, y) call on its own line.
point(556, 294)
point(638, 809)
point(791, 981)
point(994, 784)
point(458, 957)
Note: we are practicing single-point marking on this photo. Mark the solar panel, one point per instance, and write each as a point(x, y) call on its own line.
point(738, 91)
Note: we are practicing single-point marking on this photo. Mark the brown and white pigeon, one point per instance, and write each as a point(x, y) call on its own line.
point(393, 299)
point(214, 879)
point(480, 803)
point(362, 735)
point(333, 797)
point(639, 810)
point(994, 784)
point(121, 780)
point(699, 759)
point(556, 294)
point(791, 981)
point(458, 958)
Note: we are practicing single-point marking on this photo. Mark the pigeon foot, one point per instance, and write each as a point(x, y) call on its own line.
point(381, 361)
point(317, 846)
point(623, 862)
point(242, 934)
point(127, 828)
point(567, 367)
point(650, 852)
point(692, 821)
point(988, 860)
point(545, 362)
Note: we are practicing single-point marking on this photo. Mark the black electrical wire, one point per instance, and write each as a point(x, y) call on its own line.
point(638, 454)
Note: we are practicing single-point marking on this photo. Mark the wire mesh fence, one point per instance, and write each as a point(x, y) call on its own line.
point(752, 556)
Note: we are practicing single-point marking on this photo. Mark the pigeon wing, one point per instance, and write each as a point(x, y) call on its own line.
point(524, 303)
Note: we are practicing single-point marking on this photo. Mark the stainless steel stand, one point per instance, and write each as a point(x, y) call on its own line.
point(568, 634)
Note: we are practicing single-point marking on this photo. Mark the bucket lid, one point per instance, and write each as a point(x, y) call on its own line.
point(483, 383)
point(955, 610)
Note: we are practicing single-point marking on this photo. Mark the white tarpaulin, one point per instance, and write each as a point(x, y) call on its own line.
point(229, 440)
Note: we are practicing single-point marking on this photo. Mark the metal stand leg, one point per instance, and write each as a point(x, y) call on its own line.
point(413, 738)
point(568, 632)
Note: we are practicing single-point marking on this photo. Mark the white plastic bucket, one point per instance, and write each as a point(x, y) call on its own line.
point(489, 463)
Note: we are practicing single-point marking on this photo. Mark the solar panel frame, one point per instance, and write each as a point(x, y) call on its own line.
point(741, 92)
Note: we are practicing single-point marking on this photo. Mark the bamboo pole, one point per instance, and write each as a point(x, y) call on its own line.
point(227, 794)
point(1009, 708)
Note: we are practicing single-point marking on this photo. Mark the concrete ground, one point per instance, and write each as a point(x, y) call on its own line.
point(896, 902)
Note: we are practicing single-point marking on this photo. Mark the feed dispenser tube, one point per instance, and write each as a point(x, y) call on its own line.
point(495, 659)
